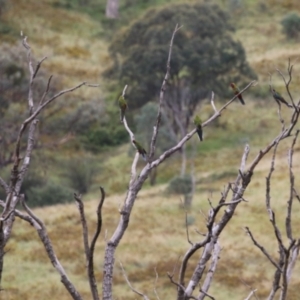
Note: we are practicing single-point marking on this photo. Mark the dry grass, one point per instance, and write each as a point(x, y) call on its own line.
point(156, 235)
point(68, 39)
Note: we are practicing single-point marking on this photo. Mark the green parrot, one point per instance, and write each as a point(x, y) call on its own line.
point(278, 98)
point(123, 107)
point(140, 150)
point(198, 122)
point(237, 92)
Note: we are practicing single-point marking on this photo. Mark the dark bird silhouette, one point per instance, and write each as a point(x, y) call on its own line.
point(237, 92)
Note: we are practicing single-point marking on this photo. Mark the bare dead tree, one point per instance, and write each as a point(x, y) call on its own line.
point(236, 191)
point(288, 254)
point(89, 249)
point(136, 183)
point(231, 197)
point(21, 163)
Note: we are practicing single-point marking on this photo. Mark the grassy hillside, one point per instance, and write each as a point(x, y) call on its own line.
point(156, 237)
point(75, 39)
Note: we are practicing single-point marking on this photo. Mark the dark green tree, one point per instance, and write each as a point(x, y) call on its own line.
point(205, 58)
point(291, 25)
point(165, 140)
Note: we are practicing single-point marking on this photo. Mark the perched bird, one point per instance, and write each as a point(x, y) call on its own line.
point(237, 92)
point(140, 150)
point(123, 107)
point(198, 122)
point(278, 98)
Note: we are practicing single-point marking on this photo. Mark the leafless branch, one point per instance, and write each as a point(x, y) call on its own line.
point(179, 145)
point(155, 284)
point(287, 82)
point(42, 232)
point(213, 102)
point(124, 119)
point(218, 113)
point(85, 234)
point(187, 229)
point(161, 97)
point(38, 66)
point(209, 276)
point(91, 274)
point(268, 179)
point(30, 96)
point(288, 220)
point(292, 261)
point(124, 91)
point(252, 293)
point(179, 286)
point(129, 284)
point(46, 91)
point(262, 249)
point(4, 185)
point(206, 294)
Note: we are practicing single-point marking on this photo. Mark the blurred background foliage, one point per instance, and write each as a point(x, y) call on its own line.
point(81, 143)
point(205, 57)
point(220, 41)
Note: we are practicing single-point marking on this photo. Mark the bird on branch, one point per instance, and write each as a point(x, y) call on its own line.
point(140, 149)
point(237, 92)
point(123, 106)
point(278, 98)
point(198, 122)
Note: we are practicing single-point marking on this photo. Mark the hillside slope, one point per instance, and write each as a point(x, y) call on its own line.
point(77, 51)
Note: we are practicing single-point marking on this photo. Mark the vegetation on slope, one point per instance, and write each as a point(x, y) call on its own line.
point(77, 48)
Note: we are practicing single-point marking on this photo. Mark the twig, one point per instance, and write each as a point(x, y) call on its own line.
point(213, 102)
point(262, 249)
point(85, 234)
point(161, 97)
point(155, 283)
point(292, 261)
point(30, 94)
point(209, 276)
point(42, 232)
point(91, 275)
point(288, 219)
point(133, 168)
point(46, 91)
point(129, 284)
point(124, 118)
point(4, 185)
point(124, 91)
point(179, 145)
point(206, 294)
point(287, 83)
point(252, 293)
point(218, 113)
point(187, 229)
point(268, 178)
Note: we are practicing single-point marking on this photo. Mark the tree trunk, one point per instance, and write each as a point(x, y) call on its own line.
point(153, 174)
point(183, 160)
point(112, 9)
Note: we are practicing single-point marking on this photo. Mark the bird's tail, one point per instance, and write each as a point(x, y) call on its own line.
point(199, 132)
point(241, 99)
point(144, 156)
point(122, 115)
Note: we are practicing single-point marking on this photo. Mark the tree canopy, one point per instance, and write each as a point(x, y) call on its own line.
point(205, 56)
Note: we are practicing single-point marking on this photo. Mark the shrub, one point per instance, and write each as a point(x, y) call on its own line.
point(80, 173)
point(181, 185)
point(291, 25)
point(49, 194)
